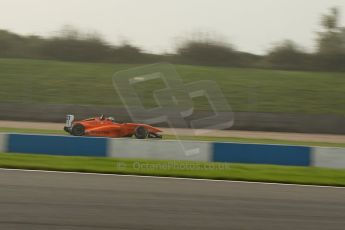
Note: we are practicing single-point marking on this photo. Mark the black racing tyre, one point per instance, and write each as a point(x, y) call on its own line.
point(141, 133)
point(78, 130)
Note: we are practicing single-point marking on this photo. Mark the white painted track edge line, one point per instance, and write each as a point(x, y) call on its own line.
point(170, 178)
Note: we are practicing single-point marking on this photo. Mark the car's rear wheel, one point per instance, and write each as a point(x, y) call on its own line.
point(78, 130)
point(141, 133)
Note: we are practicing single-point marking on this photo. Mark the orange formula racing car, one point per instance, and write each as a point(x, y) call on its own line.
point(106, 127)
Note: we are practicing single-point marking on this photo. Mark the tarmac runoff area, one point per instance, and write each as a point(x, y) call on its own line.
point(329, 138)
point(39, 200)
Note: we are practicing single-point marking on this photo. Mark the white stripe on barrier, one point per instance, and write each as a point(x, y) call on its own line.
point(3, 142)
point(158, 149)
point(328, 157)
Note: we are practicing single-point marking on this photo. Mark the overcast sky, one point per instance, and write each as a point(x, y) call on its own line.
point(156, 25)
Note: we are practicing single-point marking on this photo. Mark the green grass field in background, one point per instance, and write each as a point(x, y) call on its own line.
point(245, 89)
point(224, 171)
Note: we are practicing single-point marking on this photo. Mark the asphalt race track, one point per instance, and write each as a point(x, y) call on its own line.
point(34, 200)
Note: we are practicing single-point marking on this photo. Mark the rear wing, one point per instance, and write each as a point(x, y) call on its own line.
point(69, 120)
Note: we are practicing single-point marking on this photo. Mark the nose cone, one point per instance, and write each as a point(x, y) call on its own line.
point(154, 129)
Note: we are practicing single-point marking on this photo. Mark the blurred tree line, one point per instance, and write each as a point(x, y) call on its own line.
point(71, 45)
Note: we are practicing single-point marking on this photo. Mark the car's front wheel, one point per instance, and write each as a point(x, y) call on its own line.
point(141, 133)
point(78, 130)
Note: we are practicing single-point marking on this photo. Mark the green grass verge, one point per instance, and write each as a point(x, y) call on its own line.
point(34, 131)
point(196, 138)
point(245, 89)
point(224, 171)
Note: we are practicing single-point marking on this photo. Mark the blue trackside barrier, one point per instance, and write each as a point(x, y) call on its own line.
point(262, 154)
point(327, 157)
point(57, 145)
